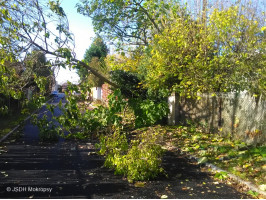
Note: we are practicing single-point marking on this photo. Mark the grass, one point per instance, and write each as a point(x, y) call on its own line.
point(15, 117)
point(245, 161)
point(9, 122)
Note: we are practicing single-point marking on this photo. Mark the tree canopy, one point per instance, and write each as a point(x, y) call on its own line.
point(43, 25)
point(190, 55)
point(95, 56)
point(132, 22)
point(30, 24)
point(227, 55)
point(174, 51)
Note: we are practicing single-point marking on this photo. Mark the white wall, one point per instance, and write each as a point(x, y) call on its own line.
point(97, 93)
point(55, 87)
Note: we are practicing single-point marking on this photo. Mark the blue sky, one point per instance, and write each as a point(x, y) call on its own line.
point(82, 29)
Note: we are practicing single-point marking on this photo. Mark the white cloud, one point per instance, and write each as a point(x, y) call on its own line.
point(65, 75)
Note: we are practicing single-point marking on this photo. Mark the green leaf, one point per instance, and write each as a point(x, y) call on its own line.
point(202, 160)
point(252, 193)
point(47, 35)
point(221, 175)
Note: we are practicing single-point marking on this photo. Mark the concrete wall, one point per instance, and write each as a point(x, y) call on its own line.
point(241, 115)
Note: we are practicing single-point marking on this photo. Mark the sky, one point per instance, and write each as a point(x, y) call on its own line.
point(82, 29)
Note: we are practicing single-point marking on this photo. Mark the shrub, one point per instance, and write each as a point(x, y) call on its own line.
point(148, 112)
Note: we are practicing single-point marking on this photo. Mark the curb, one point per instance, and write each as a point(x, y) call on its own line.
point(250, 185)
point(14, 129)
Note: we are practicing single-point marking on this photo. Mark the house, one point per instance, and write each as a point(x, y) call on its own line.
point(55, 86)
point(101, 92)
point(64, 87)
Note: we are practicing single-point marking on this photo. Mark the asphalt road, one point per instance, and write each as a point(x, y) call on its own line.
point(69, 169)
point(31, 132)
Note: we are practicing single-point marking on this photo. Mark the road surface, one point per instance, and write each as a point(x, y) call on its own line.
point(69, 169)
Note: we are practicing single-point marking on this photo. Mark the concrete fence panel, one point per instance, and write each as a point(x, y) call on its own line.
point(238, 114)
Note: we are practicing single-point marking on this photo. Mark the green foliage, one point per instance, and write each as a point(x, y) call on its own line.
point(48, 131)
point(65, 53)
point(55, 7)
point(18, 75)
point(115, 147)
point(189, 56)
point(148, 112)
point(84, 123)
point(23, 34)
point(105, 119)
point(129, 84)
point(38, 72)
point(71, 113)
point(253, 193)
point(97, 49)
point(148, 108)
point(94, 56)
point(37, 101)
point(144, 158)
point(9, 87)
point(127, 21)
point(4, 110)
point(221, 175)
point(139, 160)
point(116, 105)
